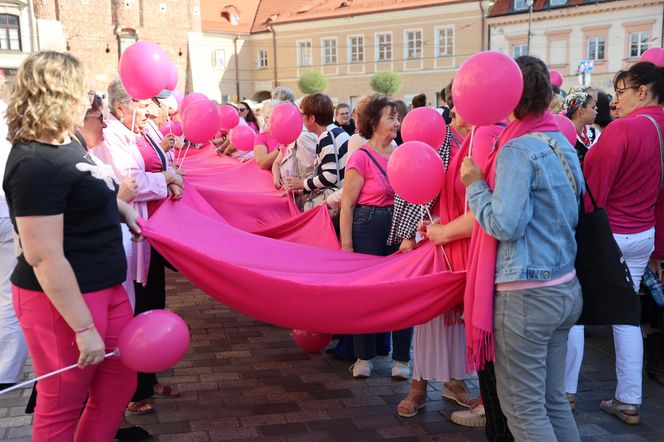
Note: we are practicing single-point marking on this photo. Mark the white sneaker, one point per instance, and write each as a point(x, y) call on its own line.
point(361, 368)
point(475, 417)
point(400, 370)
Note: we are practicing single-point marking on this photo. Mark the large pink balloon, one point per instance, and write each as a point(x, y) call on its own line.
point(487, 88)
point(174, 127)
point(311, 342)
point(416, 172)
point(153, 341)
point(424, 124)
point(228, 116)
point(179, 95)
point(653, 55)
point(286, 123)
point(566, 127)
point(188, 99)
point(556, 77)
point(200, 121)
point(144, 69)
point(172, 78)
point(242, 137)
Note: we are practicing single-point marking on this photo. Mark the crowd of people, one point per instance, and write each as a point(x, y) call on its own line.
point(510, 198)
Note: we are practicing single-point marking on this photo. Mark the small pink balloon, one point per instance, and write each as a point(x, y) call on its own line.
point(567, 127)
point(286, 123)
point(200, 121)
point(556, 77)
point(311, 342)
point(424, 124)
point(144, 69)
point(416, 172)
point(174, 127)
point(172, 78)
point(229, 117)
point(179, 95)
point(653, 55)
point(487, 88)
point(188, 99)
point(153, 341)
point(242, 137)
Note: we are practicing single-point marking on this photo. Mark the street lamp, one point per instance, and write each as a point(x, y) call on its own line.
point(530, 20)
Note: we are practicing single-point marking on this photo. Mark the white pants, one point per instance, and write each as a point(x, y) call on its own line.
point(13, 350)
point(636, 249)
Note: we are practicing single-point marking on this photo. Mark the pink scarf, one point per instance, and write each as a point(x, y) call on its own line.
point(478, 296)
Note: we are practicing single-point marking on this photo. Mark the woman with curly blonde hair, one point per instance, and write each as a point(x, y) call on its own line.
point(67, 285)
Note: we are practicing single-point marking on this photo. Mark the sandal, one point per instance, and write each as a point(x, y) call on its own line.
point(140, 407)
point(458, 392)
point(627, 413)
point(165, 391)
point(411, 405)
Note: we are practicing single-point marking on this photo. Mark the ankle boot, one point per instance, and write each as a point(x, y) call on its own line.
point(654, 357)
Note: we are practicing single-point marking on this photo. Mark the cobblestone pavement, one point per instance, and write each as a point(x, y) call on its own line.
point(244, 379)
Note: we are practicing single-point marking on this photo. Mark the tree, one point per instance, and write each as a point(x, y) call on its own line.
point(312, 82)
point(387, 82)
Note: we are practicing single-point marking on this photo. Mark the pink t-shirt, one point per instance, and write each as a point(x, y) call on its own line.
point(268, 141)
point(376, 190)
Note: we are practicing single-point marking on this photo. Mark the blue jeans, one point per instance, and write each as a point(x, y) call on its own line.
point(371, 226)
point(530, 330)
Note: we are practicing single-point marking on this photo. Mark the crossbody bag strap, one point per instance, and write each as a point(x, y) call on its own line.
point(661, 148)
point(374, 161)
point(336, 157)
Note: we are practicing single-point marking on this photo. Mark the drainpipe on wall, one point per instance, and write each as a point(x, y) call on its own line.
point(274, 54)
point(237, 70)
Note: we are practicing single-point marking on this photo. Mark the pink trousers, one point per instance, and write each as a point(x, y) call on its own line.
point(60, 415)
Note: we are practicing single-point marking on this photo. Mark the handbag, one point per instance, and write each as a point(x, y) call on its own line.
point(608, 291)
point(318, 197)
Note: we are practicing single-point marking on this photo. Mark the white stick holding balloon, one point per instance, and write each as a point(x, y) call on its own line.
point(447, 260)
point(470, 155)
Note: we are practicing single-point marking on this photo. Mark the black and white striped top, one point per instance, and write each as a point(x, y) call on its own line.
point(325, 172)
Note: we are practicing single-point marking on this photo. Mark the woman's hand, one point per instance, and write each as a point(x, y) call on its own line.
point(174, 191)
point(130, 217)
point(174, 178)
point(655, 265)
point(90, 346)
point(437, 233)
point(407, 244)
point(294, 183)
point(168, 142)
point(346, 248)
point(128, 188)
point(276, 178)
point(470, 172)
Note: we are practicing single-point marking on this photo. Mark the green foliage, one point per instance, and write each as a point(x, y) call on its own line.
point(387, 82)
point(312, 82)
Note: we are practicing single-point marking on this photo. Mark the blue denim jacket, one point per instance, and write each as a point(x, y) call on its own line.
point(532, 211)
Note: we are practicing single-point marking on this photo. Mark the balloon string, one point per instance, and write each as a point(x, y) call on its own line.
point(133, 120)
point(449, 266)
point(185, 154)
point(53, 373)
point(470, 152)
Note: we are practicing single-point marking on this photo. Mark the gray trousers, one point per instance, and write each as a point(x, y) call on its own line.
point(530, 330)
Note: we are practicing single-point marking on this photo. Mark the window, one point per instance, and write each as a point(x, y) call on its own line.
point(519, 50)
point(596, 48)
point(638, 43)
point(262, 59)
point(557, 2)
point(444, 41)
point(219, 58)
point(520, 5)
point(413, 44)
point(356, 49)
point(126, 39)
point(304, 53)
point(329, 47)
point(10, 33)
point(384, 46)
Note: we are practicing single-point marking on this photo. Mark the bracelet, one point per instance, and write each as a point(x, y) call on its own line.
point(89, 327)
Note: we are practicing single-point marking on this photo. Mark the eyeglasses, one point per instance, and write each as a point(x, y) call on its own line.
point(242, 109)
point(620, 91)
point(100, 118)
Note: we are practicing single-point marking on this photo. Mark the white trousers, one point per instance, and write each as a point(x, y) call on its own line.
point(13, 350)
point(628, 341)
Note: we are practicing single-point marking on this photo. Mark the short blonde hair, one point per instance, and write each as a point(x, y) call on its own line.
point(48, 98)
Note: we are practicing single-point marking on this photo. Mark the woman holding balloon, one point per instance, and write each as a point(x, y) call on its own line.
point(266, 146)
point(67, 284)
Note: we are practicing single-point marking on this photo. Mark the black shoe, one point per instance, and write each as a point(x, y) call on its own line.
point(132, 434)
point(32, 402)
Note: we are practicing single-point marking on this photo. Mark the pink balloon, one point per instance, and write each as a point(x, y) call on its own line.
point(174, 127)
point(416, 172)
point(179, 95)
point(172, 78)
point(144, 69)
point(200, 121)
point(153, 341)
point(567, 127)
point(653, 55)
point(424, 124)
point(556, 77)
point(311, 342)
point(188, 99)
point(242, 137)
point(286, 123)
point(487, 88)
point(229, 117)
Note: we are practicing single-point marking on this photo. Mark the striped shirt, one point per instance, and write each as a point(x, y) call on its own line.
point(326, 164)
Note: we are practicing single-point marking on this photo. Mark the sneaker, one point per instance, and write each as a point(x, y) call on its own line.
point(474, 417)
point(400, 370)
point(361, 368)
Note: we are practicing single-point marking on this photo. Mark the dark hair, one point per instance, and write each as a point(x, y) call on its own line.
point(448, 94)
point(402, 109)
point(97, 105)
point(603, 109)
point(340, 106)
point(537, 91)
point(555, 89)
point(373, 111)
point(320, 106)
point(644, 73)
point(249, 117)
point(419, 100)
